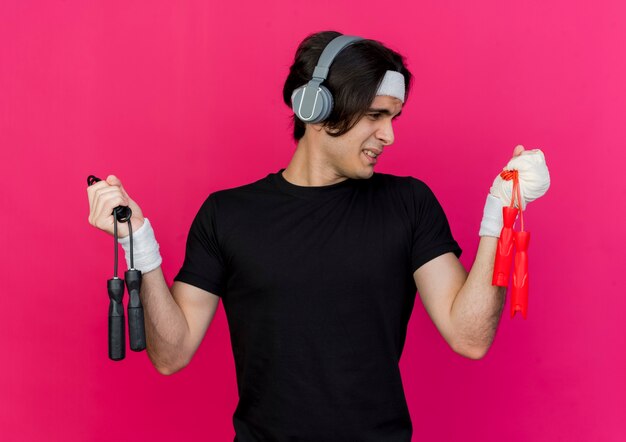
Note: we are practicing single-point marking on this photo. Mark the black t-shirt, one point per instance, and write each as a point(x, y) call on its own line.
point(317, 286)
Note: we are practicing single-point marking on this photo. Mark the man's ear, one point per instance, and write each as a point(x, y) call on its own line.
point(313, 129)
point(317, 126)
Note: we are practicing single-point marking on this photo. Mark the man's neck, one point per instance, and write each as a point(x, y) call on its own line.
point(308, 167)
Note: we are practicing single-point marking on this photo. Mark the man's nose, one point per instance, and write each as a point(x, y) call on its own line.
point(385, 132)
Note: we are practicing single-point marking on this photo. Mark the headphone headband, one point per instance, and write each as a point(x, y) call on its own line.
point(329, 53)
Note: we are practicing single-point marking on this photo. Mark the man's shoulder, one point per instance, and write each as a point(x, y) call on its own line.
point(408, 189)
point(246, 197)
point(261, 185)
point(399, 181)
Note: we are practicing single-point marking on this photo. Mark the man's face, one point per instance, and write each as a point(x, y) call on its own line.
point(355, 153)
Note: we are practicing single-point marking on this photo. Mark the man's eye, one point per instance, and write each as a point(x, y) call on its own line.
point(374, 116)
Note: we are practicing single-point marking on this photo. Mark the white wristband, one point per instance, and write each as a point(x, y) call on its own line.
point(146, 254)
point(492, 223)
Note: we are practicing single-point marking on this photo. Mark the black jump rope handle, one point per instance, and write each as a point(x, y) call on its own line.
point(136, 329)
point(117, 344)
point(115, 288)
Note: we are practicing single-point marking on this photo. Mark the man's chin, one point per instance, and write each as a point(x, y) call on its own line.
point(366, 174)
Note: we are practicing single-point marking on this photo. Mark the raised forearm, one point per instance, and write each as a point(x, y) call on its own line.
point(477, 308)
point(166, 326)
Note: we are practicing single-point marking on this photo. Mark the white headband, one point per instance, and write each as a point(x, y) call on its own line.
point(392, 85)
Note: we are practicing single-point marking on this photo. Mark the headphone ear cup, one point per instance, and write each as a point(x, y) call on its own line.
point(323, 105)
point(326, 104)
point(296, 101)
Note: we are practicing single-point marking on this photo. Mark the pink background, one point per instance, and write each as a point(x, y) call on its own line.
point(180, 99)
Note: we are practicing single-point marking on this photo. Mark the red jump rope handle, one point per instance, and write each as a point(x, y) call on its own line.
point(519, 292)
point(504, 252)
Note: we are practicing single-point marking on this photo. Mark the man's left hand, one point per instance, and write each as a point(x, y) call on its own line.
point(534, 177)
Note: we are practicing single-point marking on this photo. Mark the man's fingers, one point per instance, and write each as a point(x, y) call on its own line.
point(91, 190)
point(518, 150)
point(92, 193)
point(105, 201)
point(104, 197)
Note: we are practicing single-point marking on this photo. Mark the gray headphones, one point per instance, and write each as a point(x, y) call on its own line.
point(313, 103)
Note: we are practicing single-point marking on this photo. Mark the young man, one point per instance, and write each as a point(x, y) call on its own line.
point(318, 265)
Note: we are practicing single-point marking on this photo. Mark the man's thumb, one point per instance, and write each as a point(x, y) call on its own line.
point(518, 150)
point(114, 181)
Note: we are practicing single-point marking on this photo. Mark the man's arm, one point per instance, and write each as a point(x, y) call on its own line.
point(465, 308)
point(175, 322)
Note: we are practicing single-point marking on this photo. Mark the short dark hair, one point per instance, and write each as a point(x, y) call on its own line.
point(353, 78)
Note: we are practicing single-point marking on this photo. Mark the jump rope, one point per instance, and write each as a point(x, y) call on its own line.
point(504, 253)
point(115, 288)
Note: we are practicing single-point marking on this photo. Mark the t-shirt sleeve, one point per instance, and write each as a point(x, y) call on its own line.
point(431, 232)
point(203, 266)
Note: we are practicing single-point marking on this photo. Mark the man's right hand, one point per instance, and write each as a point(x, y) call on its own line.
point(106, 195)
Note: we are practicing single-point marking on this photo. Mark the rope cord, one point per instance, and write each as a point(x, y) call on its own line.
point(115, 246)
point(509, 175)
point(130, 233)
